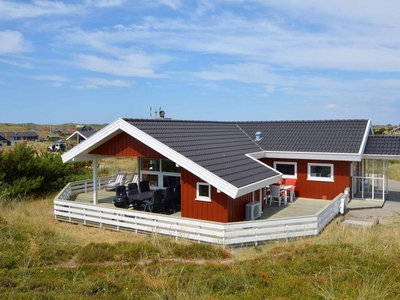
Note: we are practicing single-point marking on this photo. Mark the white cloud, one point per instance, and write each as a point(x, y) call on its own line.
point(19, 64)
point(134, 65)
point(104, 3)
point(49, 77)
point(13, 42)
point(93, 83)
point(13, 10)
point(174, 4)
point(331, 106)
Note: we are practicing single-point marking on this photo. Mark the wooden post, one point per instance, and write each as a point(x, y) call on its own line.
point(95, 180)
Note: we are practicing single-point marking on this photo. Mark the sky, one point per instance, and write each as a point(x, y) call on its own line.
point(93, 61)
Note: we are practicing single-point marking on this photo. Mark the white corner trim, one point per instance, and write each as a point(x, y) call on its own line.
point(365, 138)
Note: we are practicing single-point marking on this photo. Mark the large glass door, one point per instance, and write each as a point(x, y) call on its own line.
point(370, 179)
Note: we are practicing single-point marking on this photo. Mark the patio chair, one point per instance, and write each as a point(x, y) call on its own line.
point(121, 199)
point(120, 191)
point(276, 193)
point(119, 179)
point(133, 178)
point(292, 182)
point(267, 194)
point(133, 188)
point(155, 204)
point(168, 199)
point(144, 186)
point(177, 196)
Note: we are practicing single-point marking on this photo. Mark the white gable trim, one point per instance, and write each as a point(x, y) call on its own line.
point(80, 152)
point(367, 132)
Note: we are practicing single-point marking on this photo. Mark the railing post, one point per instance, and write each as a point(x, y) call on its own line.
point(198, 234)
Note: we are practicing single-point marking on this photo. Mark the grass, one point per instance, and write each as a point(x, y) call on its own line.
point(41, 258)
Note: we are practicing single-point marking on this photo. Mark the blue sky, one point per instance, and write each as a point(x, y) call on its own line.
point(93, 61)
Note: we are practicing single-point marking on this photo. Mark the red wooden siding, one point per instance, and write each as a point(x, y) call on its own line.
point(318, 189)
point(125, 145)
point(222, 208)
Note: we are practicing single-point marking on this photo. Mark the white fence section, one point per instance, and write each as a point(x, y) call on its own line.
point(198, 230)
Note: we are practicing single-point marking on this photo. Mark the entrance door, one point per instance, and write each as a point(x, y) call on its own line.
point(370, 179)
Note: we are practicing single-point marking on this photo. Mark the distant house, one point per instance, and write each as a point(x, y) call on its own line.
point(53, 137)
point(4, 142)
point(20, 136)
point(395, 129)
point(81, 134)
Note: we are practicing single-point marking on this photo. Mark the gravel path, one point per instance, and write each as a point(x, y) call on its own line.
point(389, 211)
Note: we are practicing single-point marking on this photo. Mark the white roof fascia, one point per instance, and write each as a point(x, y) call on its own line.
point(314, 156)
point(257, 155)
point(381, 156)
point(99, 136)
point(262, 183)
point(368, 131)
point(70, 136)
point(76, 132)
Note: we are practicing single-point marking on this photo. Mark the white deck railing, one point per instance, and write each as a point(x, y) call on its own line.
point(202, 231)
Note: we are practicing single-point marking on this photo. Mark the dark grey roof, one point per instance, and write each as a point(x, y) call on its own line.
point(87, 133)
point(22, 133)
point(330, 136)
point(383, 145)
point(219, 147)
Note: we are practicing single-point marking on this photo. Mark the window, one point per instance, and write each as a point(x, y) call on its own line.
point(169, 166)
point(150, 164)
point(152, 179)
point(320, 172)
point(203, 192)
point(160, 173)
point(288, 169)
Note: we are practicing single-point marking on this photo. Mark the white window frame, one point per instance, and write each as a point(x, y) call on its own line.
point(316, 178)
point(160, 174)
point(287, 163)
point(203, 198)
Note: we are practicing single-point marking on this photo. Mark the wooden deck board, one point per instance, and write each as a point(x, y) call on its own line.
point(360, 204)
point(298, 208)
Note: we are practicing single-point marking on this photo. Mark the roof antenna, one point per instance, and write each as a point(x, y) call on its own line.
point(156, 112)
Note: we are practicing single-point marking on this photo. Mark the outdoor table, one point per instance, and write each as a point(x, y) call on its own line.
point(138, 199)
point(285, 189)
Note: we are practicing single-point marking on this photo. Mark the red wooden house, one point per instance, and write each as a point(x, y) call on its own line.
point(222, 166)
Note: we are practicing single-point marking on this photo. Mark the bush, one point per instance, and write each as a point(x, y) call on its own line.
point(26, 172)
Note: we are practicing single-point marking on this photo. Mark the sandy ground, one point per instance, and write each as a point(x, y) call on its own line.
point(390, 210)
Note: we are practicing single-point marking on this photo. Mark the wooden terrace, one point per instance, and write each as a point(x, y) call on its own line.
point(301, 207)
point(303, 217)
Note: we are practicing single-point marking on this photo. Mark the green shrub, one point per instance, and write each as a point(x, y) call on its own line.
point(27, 173)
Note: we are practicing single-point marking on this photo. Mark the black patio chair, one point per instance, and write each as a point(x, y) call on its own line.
point(177, 196)
point(121, 199)
point(155, 204)
point(168, 199)
point(133, 188)
point(120, 191)
point(144, 186)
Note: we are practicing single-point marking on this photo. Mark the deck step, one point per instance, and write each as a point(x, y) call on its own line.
point(358, 222)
